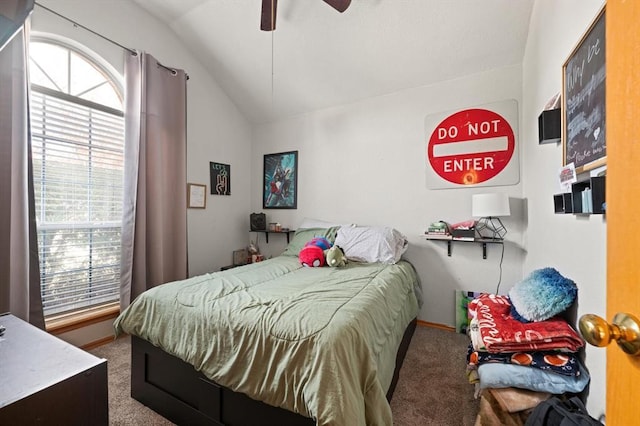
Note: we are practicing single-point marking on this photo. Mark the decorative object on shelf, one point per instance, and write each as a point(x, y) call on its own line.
point(464, 231)
point(583, 98)
point(567, 177)
point(220, 178)
point(489, 208)
point(550, 122)
point(257, 222)
point(280, 181)
point(253, 252)
point(585, 197)
point(196, 196)
point(439, 228)
point(550, 126)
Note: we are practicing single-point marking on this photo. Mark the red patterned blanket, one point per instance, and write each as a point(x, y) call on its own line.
point(496, 331)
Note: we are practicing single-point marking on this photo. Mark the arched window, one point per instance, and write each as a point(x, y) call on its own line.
point(77, 126)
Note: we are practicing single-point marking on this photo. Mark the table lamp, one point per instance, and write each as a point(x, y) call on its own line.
point(489, 208)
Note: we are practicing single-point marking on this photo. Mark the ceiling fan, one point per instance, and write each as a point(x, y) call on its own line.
point(268, 15)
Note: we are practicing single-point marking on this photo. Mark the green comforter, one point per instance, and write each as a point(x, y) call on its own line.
point(317, 341)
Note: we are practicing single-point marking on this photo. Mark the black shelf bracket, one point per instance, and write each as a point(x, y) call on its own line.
point(483, 241)
point(266, 234)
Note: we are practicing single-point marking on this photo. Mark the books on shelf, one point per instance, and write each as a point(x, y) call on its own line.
point(463, 238)
point(437, 236)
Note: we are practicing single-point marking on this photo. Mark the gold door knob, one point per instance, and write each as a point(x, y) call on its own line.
point(625, 330)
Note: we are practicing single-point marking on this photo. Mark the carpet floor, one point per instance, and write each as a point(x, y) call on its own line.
point(432, 389)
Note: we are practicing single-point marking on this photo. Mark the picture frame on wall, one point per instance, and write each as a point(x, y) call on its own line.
point(583, 100)
point(280, 181)
point(196, 196)
point(220, 175)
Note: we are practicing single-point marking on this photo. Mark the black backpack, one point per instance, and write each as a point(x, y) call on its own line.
point(561, 412)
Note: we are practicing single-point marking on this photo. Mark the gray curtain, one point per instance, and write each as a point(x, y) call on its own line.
point(154, 231)
point(19, 268)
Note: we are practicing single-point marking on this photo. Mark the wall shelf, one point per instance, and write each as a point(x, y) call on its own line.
point(572, 202)
point(266, 233)
point(483, 241)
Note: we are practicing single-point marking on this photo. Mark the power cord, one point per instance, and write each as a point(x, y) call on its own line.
point(500, 276)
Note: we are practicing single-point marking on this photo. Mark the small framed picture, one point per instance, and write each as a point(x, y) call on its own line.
point(196, 196)
point(240, 257)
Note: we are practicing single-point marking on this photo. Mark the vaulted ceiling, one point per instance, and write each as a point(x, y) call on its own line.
point(318, 57)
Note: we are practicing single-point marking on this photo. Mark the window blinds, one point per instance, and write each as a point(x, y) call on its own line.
point(77, 149)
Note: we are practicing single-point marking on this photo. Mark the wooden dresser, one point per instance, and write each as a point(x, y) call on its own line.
point(44, 380)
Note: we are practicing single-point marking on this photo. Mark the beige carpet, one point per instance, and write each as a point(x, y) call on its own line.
point(432, 390)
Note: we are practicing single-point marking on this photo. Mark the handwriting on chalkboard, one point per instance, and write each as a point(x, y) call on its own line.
point(584, 100)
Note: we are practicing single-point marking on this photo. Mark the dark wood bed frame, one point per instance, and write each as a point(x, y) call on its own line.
point(174, 389)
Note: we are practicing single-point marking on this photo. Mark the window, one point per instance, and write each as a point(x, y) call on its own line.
point(77, 128)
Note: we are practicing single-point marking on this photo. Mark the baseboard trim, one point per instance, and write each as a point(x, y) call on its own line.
point(97, 343)
point(435, 325)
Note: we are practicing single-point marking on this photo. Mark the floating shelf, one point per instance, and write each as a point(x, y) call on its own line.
point(266, 233)
point(572, 202)
point(483, 241)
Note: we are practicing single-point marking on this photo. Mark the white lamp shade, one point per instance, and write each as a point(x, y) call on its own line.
point(490, 205)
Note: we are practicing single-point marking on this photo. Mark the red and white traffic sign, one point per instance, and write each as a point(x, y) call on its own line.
point(471, 146)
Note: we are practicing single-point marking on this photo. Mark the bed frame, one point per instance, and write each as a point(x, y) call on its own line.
point(174, 389)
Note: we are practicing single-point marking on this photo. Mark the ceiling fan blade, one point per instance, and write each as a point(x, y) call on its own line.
point(339, 5)
point(268, 15)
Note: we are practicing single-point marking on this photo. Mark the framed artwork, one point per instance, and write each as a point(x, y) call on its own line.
point(220, 178)
point(240, 257)
point(196, 196)
point(280, 181)
point(583, 100)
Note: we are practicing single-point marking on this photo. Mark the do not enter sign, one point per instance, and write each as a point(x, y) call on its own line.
point(471, 146)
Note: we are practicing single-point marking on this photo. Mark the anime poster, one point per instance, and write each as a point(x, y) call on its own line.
point(280, 185)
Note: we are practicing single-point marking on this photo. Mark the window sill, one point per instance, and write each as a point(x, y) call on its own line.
point(62, 323)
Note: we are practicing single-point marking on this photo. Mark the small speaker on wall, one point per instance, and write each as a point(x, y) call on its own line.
point(550, 126)
point(258, 221)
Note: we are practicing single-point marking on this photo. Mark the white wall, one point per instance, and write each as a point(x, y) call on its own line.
point(365, 163)
point(574, 245)
point(216, 130)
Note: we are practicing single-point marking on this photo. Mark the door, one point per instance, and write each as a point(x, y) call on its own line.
point(623, 205)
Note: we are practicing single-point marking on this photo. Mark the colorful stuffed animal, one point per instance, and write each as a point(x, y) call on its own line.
point(321, 242)
point(335, 257)
point(311, 256)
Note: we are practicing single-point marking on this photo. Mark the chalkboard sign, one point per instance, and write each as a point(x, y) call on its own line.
point(583, 95)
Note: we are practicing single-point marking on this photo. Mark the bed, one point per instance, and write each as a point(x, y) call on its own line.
point(274, 342)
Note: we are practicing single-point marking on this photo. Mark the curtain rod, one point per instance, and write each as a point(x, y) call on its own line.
point(132, 51)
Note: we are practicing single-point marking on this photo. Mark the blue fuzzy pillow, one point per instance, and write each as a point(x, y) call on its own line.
point(542, 295)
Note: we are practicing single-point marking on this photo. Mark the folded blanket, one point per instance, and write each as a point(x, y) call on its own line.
point(565, 363)
point(518, 376)
point(493, 329)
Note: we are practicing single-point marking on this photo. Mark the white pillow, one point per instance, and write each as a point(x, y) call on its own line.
point(317, 223)
point(372, 244)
